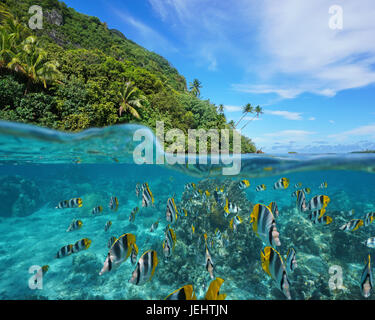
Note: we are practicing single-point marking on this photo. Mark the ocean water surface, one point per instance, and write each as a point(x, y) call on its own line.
point(39, 168)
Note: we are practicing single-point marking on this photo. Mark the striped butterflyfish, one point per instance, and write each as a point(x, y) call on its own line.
point(234, 222)
point(80, 245)
point(64, 251)
point(369, 218)
point(274, 209)
point(147, 197)
point(301, 201)
point(323, 185)
point(111, 241)
point(172, 212)
point(243, 184)
point(232, 207)
point(107, 225)
point(282, 183)
point(261, 187)
point(72, 203)
point(298, 185)
point(318, 202)
point(97, 210)
point(119, 252)
point(74, 225)
point(184, 293)
point(367, 281)
point(133, 214)
point(305, 190)
point(113, 203)
point(134, 253)
point(190, 186)
point(138, 190)
point(352, 225)
point(264, 225)
point(209, 263)
point(145, 268)
point(273, 265)
point(213, 292)
point(169, 242)
point(291, 262)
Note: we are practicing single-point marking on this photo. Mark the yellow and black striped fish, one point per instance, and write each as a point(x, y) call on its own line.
point(264, 225)
point(111, 241)
point(213, 292)
point(305, 190)
point(107, 226)
point(273, 265)
point(235, 222)
point(367, 282)
point(352, 225)
point(274, 209)
point(184, 293)
point(147, 197)
point(190, 186)
point(317, 217)
point(113, 203)
point(65, 251)
point(145, 268)
point(119, 252)
point(72, 203)
point(169, 242)
point(172, 212)
point(97, 210)
point(209, 263)
point(74, 225)
point(369, 218)
point(261, 187)
point(243, 184)
point(80, 245)
point(283, 183)
point(323, 185)
point(134, 253)
point(133, 214)
point(301, 201)
point(318, 202)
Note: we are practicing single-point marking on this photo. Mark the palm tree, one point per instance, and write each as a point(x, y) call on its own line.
point(130, 100)
point(6, 47)
point(4, 13)
point(195, 86)
point(32, 61)
point(258, 110)
point(248, 108)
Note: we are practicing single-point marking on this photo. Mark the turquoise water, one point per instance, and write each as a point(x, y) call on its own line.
point(39, 168)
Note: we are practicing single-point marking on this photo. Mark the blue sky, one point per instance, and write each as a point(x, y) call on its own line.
point(315, 83)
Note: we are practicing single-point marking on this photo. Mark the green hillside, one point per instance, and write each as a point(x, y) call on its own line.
point(78, 73)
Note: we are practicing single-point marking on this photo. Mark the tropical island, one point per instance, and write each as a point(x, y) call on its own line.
point(76, 73)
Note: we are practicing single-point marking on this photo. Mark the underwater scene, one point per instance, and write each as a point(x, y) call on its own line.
point(79, 219)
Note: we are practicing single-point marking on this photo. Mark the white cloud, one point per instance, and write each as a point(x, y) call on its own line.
point(285, 114)
point(299, 45)
point(367, 131)
point(331, 121)
point(290, 134)
point(312, 118)
point(232, 108)
point(151, 38)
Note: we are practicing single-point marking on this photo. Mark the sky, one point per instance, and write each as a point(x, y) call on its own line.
point(309, 64)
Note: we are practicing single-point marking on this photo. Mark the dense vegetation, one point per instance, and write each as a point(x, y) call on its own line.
point(75, 73)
